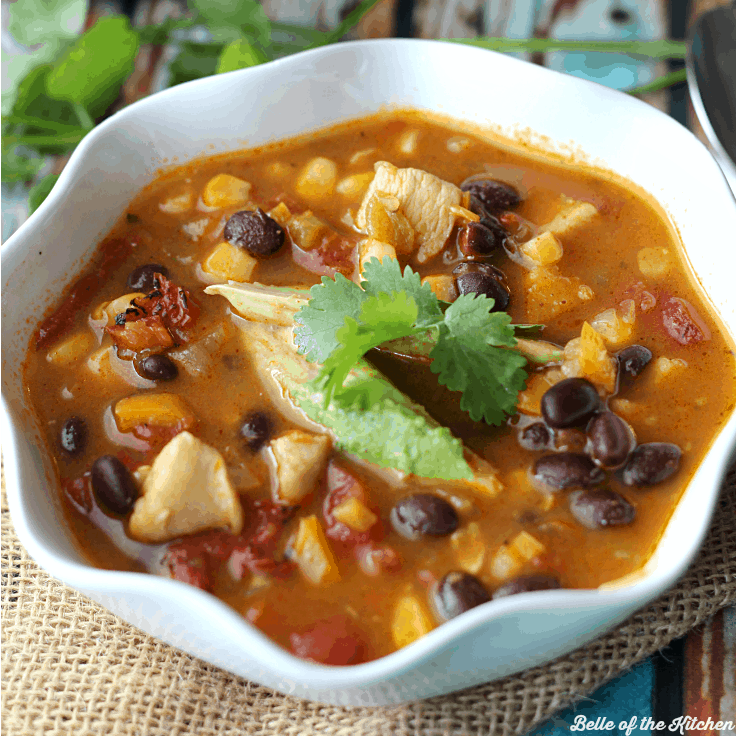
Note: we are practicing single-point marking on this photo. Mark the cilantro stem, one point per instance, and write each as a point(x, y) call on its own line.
point(662, 49)
point(41, 123)
point(666, 80)
point(351, 20)
point(45, 140)
point(84, 117)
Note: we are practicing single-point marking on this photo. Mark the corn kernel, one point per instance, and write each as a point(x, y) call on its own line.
point(408, 142)
point(544, 249)
point(654, 263)
point(312, 552)
point(281, 213)
point(229, 263)
point(307, 231)
point(180, 203)
point(443, 285)
point(458, 144)
point(468, 548)
point(354, 513)
point(317, 179)
point(71, 349)
point(160, 410)
point(354, 186)
point(370, 248)
point(666, 369)
point(411, 619)
point(224, 190)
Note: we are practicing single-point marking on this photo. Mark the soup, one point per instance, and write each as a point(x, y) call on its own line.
point(351, 465)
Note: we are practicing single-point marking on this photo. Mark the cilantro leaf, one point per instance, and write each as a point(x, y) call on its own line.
point(91, 72)
point(467, 358)
point(39, 21)
point(239, 55)
point(382, 317)
point(385, 277)
point(318, 321)
point(246, 16)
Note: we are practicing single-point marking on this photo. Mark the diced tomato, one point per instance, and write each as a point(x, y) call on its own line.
point(342, 485)
point(252, 551)
point(338, 254)
point(114, 253)
point(166, 313)
point(255, 550)
point(335, 640)
point(190, 565)
point(683, 323)
point(157, 436)
point(79, 492)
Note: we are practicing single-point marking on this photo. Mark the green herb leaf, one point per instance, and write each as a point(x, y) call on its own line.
point(33, 102)
point(247, 16)
point(382, 317)
point(239, 55)
point(194, 61)
point(91, 72)
point(317, 323)
point(42, 190)
point(17, 168)
point(467, 358)
point(385, 277)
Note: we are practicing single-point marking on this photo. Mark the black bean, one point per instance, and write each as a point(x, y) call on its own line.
point(567, 470)
point(570, 403)
point(256, 429)
point(458, 592)
point(488, 220)
point(535, 437)
point(601, 508)
point(611, 439)
point(113, 484)
point(495, 195)
point(142, 278)
point(73, 435)
point(255, 232)
point(157, 367)
point(475, 239)
point(651, 463)
point(482, 278)
point(631, 362)
point(424, 514)
point(527, 584)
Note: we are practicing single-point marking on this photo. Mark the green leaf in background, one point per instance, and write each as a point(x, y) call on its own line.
point(194, 61)
point(40, 21)
point(91, 72)
point(246, 15)
point(17, 168)
point(239, 55)
point(40, 191)
point(33, 102)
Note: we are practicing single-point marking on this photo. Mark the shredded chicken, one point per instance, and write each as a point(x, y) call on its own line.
point(186, 490)
point(428, 203)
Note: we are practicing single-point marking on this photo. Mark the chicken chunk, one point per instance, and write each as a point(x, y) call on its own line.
point(300, 460)
point(186, 490)
point(428, 203)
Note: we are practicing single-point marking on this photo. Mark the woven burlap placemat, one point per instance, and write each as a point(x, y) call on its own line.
point(71, 667)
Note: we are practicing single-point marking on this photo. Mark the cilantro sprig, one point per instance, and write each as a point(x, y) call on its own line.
point(342, 322)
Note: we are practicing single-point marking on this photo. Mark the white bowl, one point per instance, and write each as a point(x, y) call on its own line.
point(281, 99)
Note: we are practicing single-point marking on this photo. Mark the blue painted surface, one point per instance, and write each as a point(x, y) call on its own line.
point(625, 697)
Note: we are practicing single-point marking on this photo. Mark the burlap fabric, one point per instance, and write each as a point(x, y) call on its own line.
point(70, 667)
